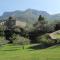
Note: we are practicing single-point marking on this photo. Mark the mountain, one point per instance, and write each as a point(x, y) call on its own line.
point(55, 17)
point(29, 15)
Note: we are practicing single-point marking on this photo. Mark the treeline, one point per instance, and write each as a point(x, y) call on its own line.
point(38, 33)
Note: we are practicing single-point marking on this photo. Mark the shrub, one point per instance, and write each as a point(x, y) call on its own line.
point(45, 39)
point(21, 40)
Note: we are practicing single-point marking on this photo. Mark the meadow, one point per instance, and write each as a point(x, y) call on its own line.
point(16, 52)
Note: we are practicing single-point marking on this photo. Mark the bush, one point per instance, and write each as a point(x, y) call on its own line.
point(58, 41)
point(45, 39)
point(21, 40)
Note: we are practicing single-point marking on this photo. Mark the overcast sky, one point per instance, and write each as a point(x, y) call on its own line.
point(51, 6)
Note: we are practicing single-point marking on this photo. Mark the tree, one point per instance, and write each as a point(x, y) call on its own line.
point(57, 27)
point(39, 29)
point(41, 24)
point(10, 23)
point(40, 18)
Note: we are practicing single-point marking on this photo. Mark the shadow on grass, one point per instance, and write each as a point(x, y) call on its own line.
point(43, 46)
point(36, 47)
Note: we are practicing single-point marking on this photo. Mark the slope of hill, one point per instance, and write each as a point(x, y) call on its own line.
point(30, 15)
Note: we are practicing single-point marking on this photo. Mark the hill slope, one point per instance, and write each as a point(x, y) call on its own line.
point(30, 15)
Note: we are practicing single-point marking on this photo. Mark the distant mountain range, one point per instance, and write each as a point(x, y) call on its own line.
point(29, 15)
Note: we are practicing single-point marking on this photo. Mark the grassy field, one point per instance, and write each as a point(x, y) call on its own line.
point(16, 52)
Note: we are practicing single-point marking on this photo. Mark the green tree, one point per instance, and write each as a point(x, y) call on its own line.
point(41, 24)
point(40, 18)
point(9, 24)
point(39, 29)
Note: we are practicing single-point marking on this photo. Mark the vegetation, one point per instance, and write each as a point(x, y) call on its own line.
point(14, 52)
point(45, 39)
point(21, 41)
point(35, 33)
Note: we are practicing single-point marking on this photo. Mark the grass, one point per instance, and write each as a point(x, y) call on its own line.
point(15, 52)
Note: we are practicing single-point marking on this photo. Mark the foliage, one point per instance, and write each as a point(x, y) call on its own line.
point(45, 39)
point(40, 18)
point(8, 35)
point(50, 27)
point(35, 32)
point(40, 28)
point(1, 30)
point(21, 40)
point(40, 25)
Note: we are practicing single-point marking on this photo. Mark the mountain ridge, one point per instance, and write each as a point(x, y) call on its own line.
point(29, 15)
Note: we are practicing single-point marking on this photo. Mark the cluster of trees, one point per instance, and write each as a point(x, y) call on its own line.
point(41, 28)
point(35, 35)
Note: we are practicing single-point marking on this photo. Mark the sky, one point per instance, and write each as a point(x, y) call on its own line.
point(51, 6)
